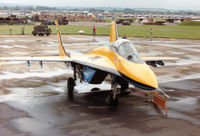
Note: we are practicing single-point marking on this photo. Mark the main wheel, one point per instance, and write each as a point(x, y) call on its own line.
point(70, 88)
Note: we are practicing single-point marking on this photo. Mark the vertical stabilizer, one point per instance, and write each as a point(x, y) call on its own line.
point(62, 51)
point(113, 32)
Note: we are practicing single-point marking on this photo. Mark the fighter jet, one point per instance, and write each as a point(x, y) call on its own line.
point(119, 60)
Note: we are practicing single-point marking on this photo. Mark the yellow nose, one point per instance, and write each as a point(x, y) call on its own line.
point(140, 73)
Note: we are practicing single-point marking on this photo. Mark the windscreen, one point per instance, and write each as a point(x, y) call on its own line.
point(128, 51)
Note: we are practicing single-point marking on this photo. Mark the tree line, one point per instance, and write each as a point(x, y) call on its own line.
point(99, 9)
point(27, 8)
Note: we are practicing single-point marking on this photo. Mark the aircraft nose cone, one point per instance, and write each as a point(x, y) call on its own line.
point(149, 77)
point(142, 74)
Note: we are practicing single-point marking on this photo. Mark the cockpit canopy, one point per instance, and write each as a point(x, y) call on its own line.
point(127, 50)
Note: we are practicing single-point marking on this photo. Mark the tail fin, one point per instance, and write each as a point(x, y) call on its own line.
point(113, 32)
point(62, 51)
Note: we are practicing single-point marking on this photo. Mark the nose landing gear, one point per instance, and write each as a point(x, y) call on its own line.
point(112, 97)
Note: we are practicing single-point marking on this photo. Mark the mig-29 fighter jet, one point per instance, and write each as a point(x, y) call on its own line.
point(119, 59)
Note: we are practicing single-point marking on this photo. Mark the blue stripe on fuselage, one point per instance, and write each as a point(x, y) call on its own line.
point(137, 84)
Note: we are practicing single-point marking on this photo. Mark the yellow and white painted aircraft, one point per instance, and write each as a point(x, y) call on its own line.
point(119, 59)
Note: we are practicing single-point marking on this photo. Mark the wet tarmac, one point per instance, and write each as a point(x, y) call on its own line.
point(33, 101)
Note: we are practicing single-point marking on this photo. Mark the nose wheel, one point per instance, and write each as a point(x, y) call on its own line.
point(112, 98)
point(70, 88)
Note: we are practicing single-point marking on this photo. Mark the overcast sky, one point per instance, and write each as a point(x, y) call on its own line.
point(167, 4)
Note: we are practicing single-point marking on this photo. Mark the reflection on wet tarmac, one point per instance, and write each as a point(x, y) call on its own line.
point(41, 93)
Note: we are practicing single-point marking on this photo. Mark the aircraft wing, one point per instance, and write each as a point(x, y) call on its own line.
point(92, 61)
point(154, 61)
point(97, 62)
point(47, 59)
point(145, 58)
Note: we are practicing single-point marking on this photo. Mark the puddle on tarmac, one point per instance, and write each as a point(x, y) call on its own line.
point(45, 114)
point(186, 104)
point(150, 53)
point(46, 104)
point(8, 41)
point(18, 53)
point(29, 40)
point(6, 46)
point(88, 38)
point(170, 77)
point(20, 46)
point(177, 115)
point(44, 74)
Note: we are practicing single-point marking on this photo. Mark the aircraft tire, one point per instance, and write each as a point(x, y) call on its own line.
point(70, 88)
point(110, 101)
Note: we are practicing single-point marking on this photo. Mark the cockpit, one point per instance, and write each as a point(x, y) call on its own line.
point(126, 49)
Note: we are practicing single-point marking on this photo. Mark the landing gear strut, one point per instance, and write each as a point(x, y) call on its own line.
point(124, 89)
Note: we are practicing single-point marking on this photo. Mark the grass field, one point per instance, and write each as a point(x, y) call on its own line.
point(170, 31)
point(190, 23)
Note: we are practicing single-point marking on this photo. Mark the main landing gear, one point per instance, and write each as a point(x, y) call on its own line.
point(70, 88)
point(71, 82)
point(111, 99)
